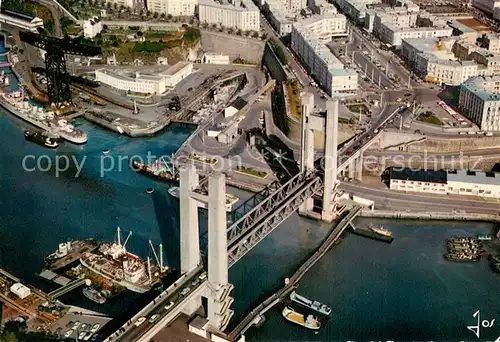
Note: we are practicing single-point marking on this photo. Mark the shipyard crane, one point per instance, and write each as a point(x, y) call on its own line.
point(58, 78)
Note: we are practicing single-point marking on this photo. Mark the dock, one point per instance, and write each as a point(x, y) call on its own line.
point(283, 293)
point(54, 277)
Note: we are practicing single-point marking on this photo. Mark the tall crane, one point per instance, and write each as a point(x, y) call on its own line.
point(58, 78)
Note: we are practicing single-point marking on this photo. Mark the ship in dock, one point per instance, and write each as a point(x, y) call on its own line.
point(69, 252)
point(374, 232)
point(158, 169)
point(315, 306)
point(94, 295)
point(114, 262)
point(17, 104)
point(202, 198)
point(309, 321)
point(40, 138)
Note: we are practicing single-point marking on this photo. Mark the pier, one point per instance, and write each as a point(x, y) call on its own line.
point(292, 283)
point(68, 287)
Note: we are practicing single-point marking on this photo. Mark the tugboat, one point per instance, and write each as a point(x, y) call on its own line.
point(38, 137)
point(94, 295)
point(309, 322)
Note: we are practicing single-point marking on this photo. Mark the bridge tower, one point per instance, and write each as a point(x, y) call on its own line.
point(331, 159)
point(306, 143)
point(219, 300)
point(189, 231)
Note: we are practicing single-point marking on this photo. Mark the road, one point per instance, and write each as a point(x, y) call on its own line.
point(133, 332)
point(396, 200)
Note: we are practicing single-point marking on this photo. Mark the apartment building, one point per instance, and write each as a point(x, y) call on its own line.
point(242, 15)
point(92, 27)
point(480, 101)
point(308, 38)
point(172, 7)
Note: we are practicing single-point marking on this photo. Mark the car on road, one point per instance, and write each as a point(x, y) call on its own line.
point(87, 336)
point(399, 99)
point(185, 291)
point(68, 333)
point(83, 326)
point(169, 305)
point(203, 276)
point(408, 94)
point(81, 335)
point(153, 318)
point(95, 327)
point(140, 321)
point(195, 282)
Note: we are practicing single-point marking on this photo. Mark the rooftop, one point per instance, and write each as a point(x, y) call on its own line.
point(238, 103)
point(236, 5)
point(472, 176)
point(479, 85)
point(421, 175)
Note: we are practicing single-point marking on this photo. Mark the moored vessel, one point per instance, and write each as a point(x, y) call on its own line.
point(309, 304)
point(114, 262)
point(156, 169)
point(69, 252)
point(38, 137)
point(202, 198)
point(485, 237)
point(380, 230)
point(309, 322)
point(94, 295)
point(16, 104)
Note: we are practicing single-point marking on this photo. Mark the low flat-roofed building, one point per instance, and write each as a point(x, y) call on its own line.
point(92, 27)
point(145, 83)
point(214, 58)
point(457, 182)
point(234, 107)
point(20, 20)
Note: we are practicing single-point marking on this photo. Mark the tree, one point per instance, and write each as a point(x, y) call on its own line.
point(155, 15)
point(264, 36)
point(169, 17)
point(238, 32)
point(49, 26)
point(139, 34)
point(255, 34)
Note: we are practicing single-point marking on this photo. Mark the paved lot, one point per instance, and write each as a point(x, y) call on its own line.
point(64, 324)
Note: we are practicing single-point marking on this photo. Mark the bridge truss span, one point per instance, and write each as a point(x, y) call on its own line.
point(291, 200)
point(253, 211)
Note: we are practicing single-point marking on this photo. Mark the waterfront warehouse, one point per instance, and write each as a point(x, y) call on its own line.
point(456, 182)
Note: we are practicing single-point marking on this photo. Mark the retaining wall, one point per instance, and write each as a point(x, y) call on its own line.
point(250, 49)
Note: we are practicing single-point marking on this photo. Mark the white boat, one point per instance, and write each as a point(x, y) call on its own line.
point(484, 237)
point(15, 103)
point(203, 198)
point(380, 230)
point(309, 322)
point(309, 304)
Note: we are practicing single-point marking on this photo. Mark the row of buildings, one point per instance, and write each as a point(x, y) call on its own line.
point(238, 14)
point(446, 182)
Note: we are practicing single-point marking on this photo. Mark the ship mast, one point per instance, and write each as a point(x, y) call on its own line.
point(158, 261)
point(118, 236)
point(149, 269)
point(161, 257)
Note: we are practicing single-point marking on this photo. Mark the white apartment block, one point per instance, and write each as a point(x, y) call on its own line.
point(480, 101)
point(391, 26)
point(236, 13)
point(356, 9)
point(92, 27)
point(125, 3)
point(321, 7)
point(172, 7)
point(143, 83)
point(493, 42)
point(279, 18)
point(308, 40)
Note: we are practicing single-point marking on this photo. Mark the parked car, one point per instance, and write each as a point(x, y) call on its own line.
point(140, 321)
point(169, 305)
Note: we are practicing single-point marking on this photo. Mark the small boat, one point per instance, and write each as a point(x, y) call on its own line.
point(309, 304)
point(105, 152)
point(94, 295)
point(38, 137)
point(150, 190)
point(309, 322)
point(484, 237)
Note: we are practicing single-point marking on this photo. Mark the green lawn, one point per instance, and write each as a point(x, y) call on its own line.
point(252, 172)
point(431, 118)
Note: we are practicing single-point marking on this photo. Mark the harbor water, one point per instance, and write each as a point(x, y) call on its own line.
point(401, 291)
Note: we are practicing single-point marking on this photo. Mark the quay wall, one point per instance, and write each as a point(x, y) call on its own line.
point(443, 216)
point(250, 49)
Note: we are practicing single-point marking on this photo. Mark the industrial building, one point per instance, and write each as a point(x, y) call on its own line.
point(22, 21)
point(20, 290)
point(446, 182)
point(145, 83)
point(92, 27)
point(479, 101)
point(308, 40)
point(172, 7)
point(242, 15)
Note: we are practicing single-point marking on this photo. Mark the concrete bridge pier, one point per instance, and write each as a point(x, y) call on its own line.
point(352, 169)
point(219, 300)
point(189, 231)
point(306, 144)
point(359, 167)
point(330, 160)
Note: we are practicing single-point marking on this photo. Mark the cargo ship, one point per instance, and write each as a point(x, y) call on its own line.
point(377, 233)
point(94, 295)
point(69, 252)
point(16, 104)
point(38, 137)
point(202, 198)
point(309, 304)
point(114, 262)
point(309, 322)
point(158, 169)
